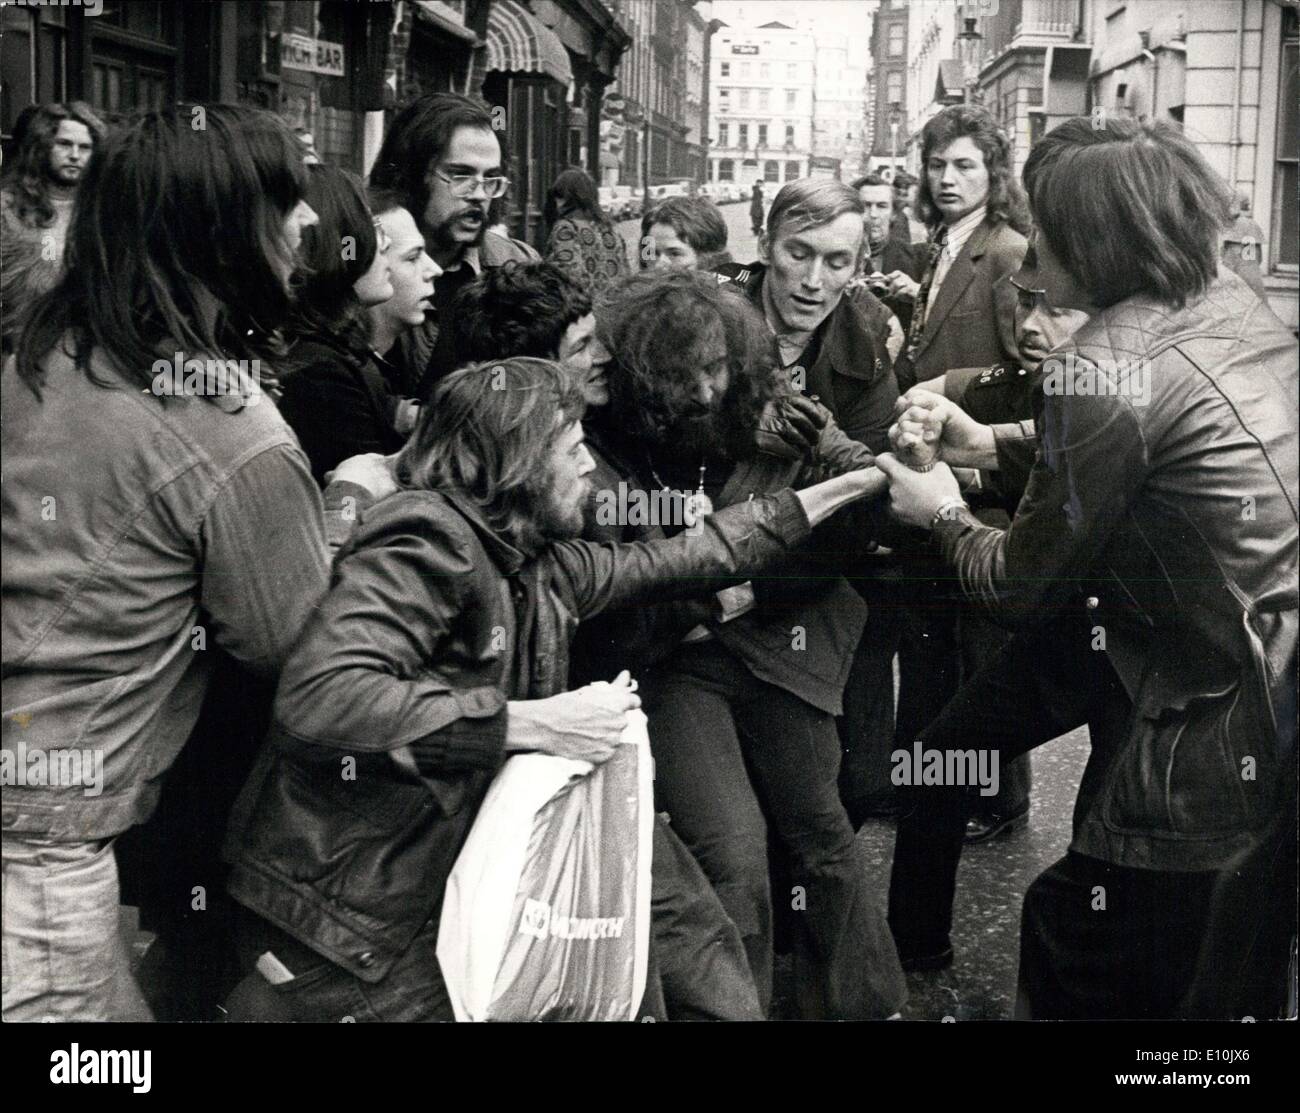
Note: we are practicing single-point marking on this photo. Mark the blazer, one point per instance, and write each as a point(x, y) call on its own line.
point(972, 321)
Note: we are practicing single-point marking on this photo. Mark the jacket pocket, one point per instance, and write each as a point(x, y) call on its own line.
point(1202, 769)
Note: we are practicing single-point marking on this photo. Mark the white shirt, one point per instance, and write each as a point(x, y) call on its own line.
point(958, 234)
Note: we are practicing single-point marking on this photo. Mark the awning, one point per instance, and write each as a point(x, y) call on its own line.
point(518, 43)
point(439, 15)
point(949, 84)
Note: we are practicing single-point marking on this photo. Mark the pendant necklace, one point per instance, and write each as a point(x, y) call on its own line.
point(698, 505)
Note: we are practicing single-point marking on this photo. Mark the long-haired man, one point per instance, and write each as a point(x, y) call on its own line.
point(405, 671)
point(37, 190)
point(155, 516)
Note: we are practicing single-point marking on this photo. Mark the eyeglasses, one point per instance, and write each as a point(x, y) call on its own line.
point(462, 185)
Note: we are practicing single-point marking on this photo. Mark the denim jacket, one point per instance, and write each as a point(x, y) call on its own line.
point(140, 533)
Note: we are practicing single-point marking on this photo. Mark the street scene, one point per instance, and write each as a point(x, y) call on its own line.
point(649, 511)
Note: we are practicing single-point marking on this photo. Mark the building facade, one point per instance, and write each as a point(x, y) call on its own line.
point(843, 56)
point(887, 101)
point(762, 100)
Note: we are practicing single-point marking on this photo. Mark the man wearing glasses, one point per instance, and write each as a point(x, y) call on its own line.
point(442, 153)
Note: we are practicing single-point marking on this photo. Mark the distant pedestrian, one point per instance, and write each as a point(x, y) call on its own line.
point(582, 242)
point(756, 209)
point(36, 198)
point(1243, 244)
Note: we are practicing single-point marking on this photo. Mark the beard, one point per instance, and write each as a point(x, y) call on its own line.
point(443, 234)
point(560, 520)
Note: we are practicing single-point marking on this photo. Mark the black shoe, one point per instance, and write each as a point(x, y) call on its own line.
point(924, 962)
point(981, 828)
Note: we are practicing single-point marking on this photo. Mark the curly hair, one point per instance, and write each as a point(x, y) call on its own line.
point(517, 309)
point(487, 434)
point(656, 325)
point(1006, 200)
point(27, 178)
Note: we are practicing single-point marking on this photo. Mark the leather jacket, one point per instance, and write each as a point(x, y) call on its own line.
point(1162, 500)
point(390, 718)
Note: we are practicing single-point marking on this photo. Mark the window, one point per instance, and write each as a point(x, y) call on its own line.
point(1284, 231)
point(791, 96)
point(894, 88)
point(791, 170)
point(895, 47)
point(762, 135)
point(792, 71)
point(724, 70)
point(771, 171)
point(724, 135)
point(764, 70)
point(744, 98)
point(789, 134)
point(744, 69)
point(742, 136)
point(726, 170)
point(762, 97)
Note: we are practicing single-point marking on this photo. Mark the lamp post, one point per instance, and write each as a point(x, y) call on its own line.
point(969, 47)
point(895, 118)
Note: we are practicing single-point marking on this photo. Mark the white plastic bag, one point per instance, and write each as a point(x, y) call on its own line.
point(547, 911)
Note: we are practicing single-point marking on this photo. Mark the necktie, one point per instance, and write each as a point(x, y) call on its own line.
point(903, 367)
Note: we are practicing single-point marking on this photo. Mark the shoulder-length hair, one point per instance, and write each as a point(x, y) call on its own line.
point(1006, 201)
point(417, 138)
point(656, 325)
point(487, 433)
point(176, 245)
point(27, 176)
point(1128, 208)
point(573, 194)
point(336, 251)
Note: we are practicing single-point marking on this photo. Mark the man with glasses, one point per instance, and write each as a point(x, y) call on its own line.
point(442, 153)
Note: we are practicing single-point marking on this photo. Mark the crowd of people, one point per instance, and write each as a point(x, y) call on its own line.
point(306, 471)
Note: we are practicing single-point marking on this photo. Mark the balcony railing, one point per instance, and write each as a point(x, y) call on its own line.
point(1028, 18)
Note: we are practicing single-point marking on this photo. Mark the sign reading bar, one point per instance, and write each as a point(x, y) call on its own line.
point(302, 52)
point(744, 48)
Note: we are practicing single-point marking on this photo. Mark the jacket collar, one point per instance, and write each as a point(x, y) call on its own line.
point(507, 557)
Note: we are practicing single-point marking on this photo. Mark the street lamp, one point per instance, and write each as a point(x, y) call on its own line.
point(970, 45)
point(895, 118)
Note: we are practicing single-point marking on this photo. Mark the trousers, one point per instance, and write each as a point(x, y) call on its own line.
point(64, 954)
point(734, 754)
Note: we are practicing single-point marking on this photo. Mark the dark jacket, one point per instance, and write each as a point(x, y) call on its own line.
point(972, 320)
point(1168, 513)
point(898, 255)
point(433, 623)
point(804, 592)
point(852, 373)
point(340, 402)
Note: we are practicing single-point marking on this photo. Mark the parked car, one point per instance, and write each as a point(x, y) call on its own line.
point(630, 200)
point(611, 202)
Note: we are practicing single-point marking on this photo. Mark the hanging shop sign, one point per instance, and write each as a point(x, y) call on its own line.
point(302, 52)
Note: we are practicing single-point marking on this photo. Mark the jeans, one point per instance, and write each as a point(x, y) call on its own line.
point(732, 754)
point(64, 955)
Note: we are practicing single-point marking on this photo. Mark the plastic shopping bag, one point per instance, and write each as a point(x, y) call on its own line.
point(547, 911)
